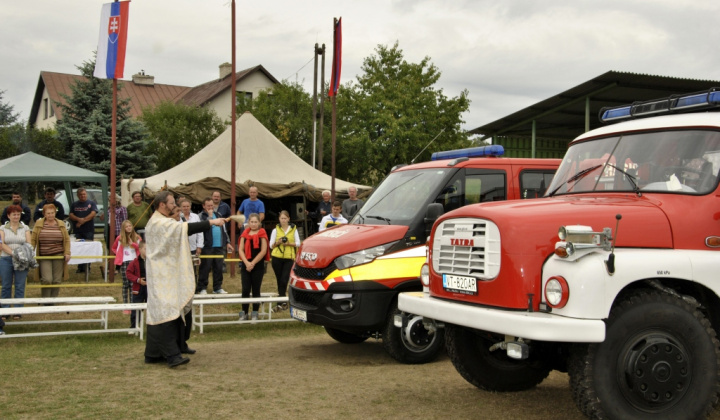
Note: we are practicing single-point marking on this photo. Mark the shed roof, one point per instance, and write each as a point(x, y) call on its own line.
point(562, 116)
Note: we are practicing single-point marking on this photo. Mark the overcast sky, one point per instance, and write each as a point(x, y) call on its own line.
point(507, 54)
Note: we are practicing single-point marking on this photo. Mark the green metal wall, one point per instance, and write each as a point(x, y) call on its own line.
point(522, 147)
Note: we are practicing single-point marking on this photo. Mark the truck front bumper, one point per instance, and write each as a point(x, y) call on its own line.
point(529, 325)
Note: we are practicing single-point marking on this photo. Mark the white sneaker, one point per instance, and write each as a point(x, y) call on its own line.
point(254, 316)
point(220, 292)
point(202, 292)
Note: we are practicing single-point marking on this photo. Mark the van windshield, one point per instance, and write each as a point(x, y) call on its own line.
point(678, 161)
point(401, 196)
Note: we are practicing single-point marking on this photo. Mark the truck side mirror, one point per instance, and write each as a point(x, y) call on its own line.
point(434, 210)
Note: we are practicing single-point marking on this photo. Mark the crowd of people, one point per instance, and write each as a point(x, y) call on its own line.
point(138, 256)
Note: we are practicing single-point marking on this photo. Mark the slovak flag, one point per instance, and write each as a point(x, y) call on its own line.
point(110, 61)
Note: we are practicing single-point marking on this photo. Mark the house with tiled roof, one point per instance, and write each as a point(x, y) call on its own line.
point(144, 92)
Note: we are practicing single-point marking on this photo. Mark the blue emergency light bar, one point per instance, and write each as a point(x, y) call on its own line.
point(673, 104)
point(483, 151)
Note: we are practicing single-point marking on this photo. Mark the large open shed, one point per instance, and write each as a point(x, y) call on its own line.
point(544, 129)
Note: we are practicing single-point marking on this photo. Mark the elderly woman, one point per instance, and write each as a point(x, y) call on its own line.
point(50, 238)
point(14, 234)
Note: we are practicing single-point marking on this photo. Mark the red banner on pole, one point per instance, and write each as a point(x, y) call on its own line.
point(337, 59)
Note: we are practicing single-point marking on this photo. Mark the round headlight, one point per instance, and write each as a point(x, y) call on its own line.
point(562, 233)
point(425, 275)
point(557, 292)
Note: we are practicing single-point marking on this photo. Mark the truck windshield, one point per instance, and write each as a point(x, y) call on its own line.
point(681, 161)
point(399, 198)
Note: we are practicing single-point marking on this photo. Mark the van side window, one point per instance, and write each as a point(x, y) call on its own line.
point(534, 183)
point(473, 186)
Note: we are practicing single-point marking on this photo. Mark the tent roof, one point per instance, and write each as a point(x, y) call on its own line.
point(261, 160)
point(33, 167)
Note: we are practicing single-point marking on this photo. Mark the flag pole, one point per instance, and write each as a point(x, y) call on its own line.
point(232, 131)
point(334, 86)
point(113, 157)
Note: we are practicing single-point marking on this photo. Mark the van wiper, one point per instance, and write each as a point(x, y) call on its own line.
point(575, 177)
point(380, 218)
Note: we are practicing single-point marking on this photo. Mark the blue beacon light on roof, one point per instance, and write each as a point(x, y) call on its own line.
point(483, 151)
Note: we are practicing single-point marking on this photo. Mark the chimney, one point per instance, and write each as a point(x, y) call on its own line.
point(142, 79)
point(225, 69)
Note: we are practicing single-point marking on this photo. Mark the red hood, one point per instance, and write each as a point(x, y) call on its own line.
point(529, 223)
point(334, 242)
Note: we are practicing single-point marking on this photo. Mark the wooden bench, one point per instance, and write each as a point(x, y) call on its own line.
point(71, 305)
point(266, 300)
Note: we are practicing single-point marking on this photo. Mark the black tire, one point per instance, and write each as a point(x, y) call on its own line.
point(344, 336)
point(660, 359)
point(469, 351)
point(421, 347)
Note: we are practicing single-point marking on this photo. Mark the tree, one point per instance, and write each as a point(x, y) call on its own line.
point(391, 113)
point(86, 129)
point(8, 129)
point(179, 131)
point(286, 111)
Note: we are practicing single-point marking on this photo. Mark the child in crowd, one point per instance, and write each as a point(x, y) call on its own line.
point(136, 275)
point(125, 249)
point(333, 219)
point(253, 249)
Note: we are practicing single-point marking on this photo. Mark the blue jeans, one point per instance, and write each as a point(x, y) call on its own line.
point(9, 277)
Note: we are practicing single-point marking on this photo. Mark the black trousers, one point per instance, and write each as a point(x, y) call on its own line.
point(169, 338)
point(252, 280)
point(214, 264)
point(282, 267)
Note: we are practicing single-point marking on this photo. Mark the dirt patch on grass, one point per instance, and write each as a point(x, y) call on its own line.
point(309, 376)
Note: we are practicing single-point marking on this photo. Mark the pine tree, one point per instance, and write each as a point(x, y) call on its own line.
point(86, 129)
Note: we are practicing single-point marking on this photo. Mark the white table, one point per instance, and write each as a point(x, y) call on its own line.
point(92, 251)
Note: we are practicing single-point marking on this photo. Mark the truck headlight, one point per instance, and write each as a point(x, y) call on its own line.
point(425, 275)
point(362, 257)
point(557, 292)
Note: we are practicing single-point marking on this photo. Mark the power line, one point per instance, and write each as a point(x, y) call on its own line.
point(304, 65)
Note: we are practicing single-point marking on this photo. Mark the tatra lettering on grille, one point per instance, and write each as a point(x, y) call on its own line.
point(467, 247)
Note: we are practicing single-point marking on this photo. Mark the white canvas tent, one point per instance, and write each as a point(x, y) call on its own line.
point(261, 160)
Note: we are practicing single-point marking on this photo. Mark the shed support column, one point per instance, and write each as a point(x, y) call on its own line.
point(587, 114)
point(534, 138)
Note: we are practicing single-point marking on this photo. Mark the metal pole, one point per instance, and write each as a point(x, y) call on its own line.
point(111, 210)
point(322, 109)
point(232, 131)
point(314, 110)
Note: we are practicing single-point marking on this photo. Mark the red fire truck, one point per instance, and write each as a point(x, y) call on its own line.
point(347, 278)
point(612, 277)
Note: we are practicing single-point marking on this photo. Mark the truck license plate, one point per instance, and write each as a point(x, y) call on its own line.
point(298, 314)
point(460, 284)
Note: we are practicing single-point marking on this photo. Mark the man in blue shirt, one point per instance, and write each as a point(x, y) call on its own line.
point(82, 215)
point(26, 213)
point(49, 199)
point(215, 241)
point(252, 205)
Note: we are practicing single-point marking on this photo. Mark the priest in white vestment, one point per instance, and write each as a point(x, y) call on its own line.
point(170, 282)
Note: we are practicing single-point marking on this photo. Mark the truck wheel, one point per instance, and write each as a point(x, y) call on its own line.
point(660, 359)
point(415, 345)
point(469, 351)
point(344, 336)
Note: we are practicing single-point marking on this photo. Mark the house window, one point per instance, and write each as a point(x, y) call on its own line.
point(52, 110)
point(45, 109)
point(248, 96)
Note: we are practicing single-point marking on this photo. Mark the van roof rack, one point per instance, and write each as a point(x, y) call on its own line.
point(690, 102)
